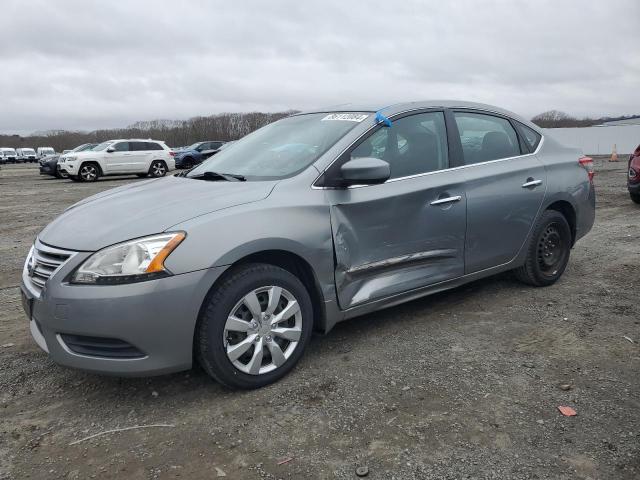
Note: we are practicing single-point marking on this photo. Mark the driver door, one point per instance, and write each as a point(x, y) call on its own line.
point(408, 232)
point(118, 160)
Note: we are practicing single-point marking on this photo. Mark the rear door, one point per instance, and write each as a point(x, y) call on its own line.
point(141, 156)
point(408, 232)
point(505, 186)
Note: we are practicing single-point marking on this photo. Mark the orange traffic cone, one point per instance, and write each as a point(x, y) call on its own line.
point(614, 154)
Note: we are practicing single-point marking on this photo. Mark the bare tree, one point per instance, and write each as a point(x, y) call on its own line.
point(223, 126)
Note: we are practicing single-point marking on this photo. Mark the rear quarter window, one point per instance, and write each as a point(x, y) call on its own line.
point(531, 137)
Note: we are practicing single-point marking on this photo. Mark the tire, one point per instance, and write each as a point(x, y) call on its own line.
point(89, 172)
point(548, 251)
point(187, 163)
point(59, 174)
point(214, 337)
point(635, 198)
point(158, 169)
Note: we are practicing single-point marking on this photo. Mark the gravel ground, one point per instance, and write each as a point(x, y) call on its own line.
point(462, 384)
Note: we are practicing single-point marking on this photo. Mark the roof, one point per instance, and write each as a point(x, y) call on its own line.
point(394, 108)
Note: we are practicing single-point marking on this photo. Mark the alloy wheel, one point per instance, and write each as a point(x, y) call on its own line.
point(263, 330)
point(89, 173)
point(158, 169)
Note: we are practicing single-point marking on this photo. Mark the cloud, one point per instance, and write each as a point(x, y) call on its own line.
point(90, 64)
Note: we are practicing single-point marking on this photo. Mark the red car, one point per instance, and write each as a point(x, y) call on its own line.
point(633, 179)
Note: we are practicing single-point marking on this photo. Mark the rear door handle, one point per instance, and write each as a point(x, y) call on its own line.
point(531, 183)
point(441, 201)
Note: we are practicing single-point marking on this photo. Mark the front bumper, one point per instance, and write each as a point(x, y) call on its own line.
point(157, 317)
point(47, 169)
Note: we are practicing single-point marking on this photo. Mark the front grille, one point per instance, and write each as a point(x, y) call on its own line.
point(100, 346)
point(43, 263)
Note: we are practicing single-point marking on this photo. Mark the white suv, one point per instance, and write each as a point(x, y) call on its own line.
point(119, 157)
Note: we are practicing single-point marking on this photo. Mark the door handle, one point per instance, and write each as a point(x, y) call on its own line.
point(442, 201)
point(531, 183)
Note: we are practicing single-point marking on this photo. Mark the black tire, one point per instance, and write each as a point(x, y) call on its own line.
point(61, 174)
point(89, 172)
point(635, 198)
point(158, 169)
point(222, 302)
point(548, 251)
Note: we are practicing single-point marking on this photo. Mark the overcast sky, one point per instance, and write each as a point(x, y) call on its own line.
point(85, 64)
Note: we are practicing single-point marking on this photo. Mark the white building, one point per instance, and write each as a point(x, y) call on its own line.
point(599, 140)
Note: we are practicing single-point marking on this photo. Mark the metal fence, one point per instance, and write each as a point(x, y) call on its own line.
point(599, 140)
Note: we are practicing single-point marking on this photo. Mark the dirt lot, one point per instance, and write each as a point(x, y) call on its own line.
point(464, 384)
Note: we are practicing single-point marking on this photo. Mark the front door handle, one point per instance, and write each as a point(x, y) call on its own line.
point(441, 201)
point(531, 183)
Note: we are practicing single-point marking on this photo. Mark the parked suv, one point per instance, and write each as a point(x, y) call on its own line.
point(45, 152)
point(196, 153)
point(119, 157)
point(633, 180)
point(26, 155)
point(10, 155)
point(309, 221)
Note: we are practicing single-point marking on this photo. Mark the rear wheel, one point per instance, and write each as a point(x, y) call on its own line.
point(158, 169)
point(89, 172)
point(254, 326)
point(187, 163)
point(548, 251)
point(635, 198)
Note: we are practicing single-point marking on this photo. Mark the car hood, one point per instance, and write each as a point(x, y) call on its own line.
point(145, 208)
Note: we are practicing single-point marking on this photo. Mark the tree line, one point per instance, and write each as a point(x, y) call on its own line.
point(558, 119)
point(175, 133)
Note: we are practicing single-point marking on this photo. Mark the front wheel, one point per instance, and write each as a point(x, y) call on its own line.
point(89, 172)
point(548, 251)
point(635, 198)
point(158, 169)
point(254, 326)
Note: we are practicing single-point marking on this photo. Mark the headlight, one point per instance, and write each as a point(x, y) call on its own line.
point(133, 261)
point(69, 159)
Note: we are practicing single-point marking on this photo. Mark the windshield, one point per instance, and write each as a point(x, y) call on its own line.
point(28, 151)
point(102, 146)
point(194, 146)
point(283, 148)
point(84, 147)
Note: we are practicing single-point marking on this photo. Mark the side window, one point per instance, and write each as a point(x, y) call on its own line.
point(121, 147)
point(531, 137)
point(216, 145)
point(412, 145)
point(154, 146)
point(486, 137)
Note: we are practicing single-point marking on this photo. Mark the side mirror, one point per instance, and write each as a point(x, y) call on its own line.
point(111, 150)
point(365, 171)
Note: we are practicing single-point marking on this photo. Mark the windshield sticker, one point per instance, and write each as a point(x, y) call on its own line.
point(346, 117)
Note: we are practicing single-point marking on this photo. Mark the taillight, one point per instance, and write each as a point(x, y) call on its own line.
point(172, 153)
point(587, 164)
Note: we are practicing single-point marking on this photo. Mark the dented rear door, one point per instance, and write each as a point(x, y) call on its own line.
point(398, 236)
